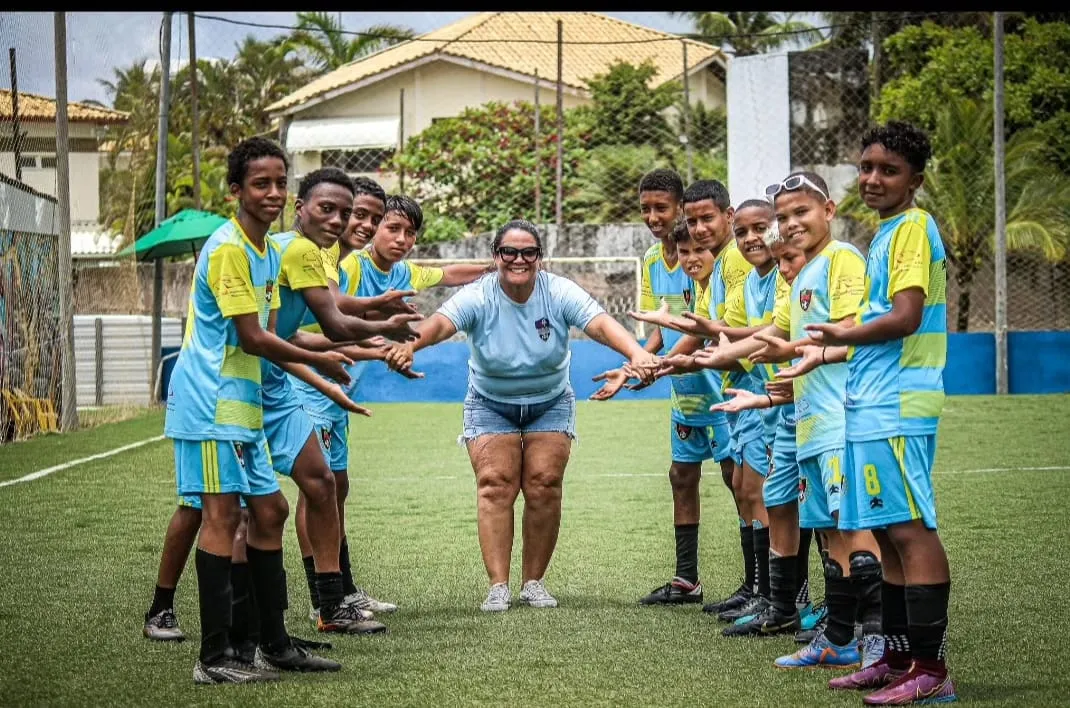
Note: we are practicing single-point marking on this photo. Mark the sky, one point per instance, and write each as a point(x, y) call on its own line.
point(99, 42)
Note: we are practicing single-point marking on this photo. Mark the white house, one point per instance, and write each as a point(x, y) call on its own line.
point(37, 160)
point(352, 118)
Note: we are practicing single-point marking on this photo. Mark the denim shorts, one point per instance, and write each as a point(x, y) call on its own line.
point(483, 416)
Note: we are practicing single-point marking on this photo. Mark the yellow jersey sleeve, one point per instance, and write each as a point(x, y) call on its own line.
point(909, 259)
point(647, 301)
point(702, 300)
point(847, 284)
point(302, 266)
point(330, 262)
point(736, 309)
point(782, 307)
point(350, 265)
point(424, 277)
point(231, 282)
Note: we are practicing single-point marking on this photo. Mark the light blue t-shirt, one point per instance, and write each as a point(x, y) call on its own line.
point(518, 353)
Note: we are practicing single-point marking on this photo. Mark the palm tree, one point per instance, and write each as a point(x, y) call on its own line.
point(958, 192)
point(747, 33)
point(319, 36)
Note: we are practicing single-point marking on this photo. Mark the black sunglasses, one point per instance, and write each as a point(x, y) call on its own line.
point(509, 254)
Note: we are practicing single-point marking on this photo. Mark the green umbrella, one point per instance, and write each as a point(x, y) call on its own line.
point(183, 233)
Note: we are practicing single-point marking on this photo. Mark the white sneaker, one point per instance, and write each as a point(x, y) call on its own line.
point(871, 649)
point(498, 599)
point(362, 600)
point(534, 593)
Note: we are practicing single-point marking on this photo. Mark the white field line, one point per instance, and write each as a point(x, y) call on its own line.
point(73, 463)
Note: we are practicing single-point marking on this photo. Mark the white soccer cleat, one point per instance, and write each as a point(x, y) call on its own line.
point(534, 593)
point(499, 599)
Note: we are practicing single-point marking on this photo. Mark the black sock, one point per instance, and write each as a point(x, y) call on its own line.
point(746, 540)
point(802, 568)
point(162, 599)
point(894, 625)
point(866, 578)
point(214, 596)
point(241, 603)
point(329, 587)
point(841, 601)
point(782, 583)
point(761, 560)
point(687, 552)
point(310, 577)
point(269, 584)
point(927, 623)
point(348, 585)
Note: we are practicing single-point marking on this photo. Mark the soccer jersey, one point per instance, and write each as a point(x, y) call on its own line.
point(301, 267)
point(693, 394)
point(360, 277)
point(215, 389)
point(756, 309)
point(727, 281)
point(829, 288)
point(519, 353)
point(897, 387)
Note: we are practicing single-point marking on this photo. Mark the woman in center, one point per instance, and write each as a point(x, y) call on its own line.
point(520, 411)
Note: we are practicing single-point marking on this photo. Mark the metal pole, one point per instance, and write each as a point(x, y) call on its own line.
point(68, 404)
point(284, 126)
point(16, 138)
point(686, 137)
point(1001, 210)
point(538, 158)
point(161, 191)
point(98, 360)
point(401, 138)
point(559, 207)
point(194, 112)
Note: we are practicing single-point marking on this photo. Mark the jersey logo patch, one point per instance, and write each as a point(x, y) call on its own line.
point(542, 326)
point(239, 455)
point(683, 431)
point(325, 436)
point(802, 490)
point(804, 299)
point(687, 297)
point(269, 288)
point(876, 503)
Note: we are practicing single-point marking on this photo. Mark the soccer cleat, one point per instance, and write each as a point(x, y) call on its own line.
point(877, 675)
point(751, 607)
point(310, 644)
point(230, 669)
point(676, 592)
point(293, 658)
point(770, 621)
point(534, 593)
point(754, 609)
point(499, 599)
point(245, 651)
point(871, 649)
point(742, 595)
point(362, 600)
point(820, 652)
point(163, 627)
point(915, 687)
point(346, 619)
point(805, 636)
point(812, 614)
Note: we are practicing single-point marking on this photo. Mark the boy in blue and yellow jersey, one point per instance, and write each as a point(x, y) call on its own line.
point(368, 273)
point(215, 417)
point(324, 204)
point(896, 350)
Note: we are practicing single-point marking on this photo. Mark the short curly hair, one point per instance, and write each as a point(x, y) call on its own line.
point(904, 139)
point(324, 175)
point(248, 150)
point(663, 180)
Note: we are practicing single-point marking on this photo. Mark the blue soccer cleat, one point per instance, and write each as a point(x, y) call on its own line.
point(820, 652)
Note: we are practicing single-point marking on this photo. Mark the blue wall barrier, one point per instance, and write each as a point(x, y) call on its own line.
point(1038, 363)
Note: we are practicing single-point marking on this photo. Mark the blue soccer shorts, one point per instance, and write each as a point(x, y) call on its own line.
point(782, 483)
point(820, 482)
point(333, 436)
point(889, 482)
point(224, 467)
point(287, 428)
point(698, 443)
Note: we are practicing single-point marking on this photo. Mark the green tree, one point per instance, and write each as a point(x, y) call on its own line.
point(958, 189)
point(746, 33)
point(626, 111)
point(319, 37)
point(931, 64)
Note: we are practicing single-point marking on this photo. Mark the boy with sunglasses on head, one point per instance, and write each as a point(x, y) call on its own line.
point(895, 351)
point(394, 223)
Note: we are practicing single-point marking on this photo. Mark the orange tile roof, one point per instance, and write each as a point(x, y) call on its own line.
point(492, 38)
point(34, 108)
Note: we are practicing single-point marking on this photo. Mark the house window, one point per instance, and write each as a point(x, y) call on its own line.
point(356, 161)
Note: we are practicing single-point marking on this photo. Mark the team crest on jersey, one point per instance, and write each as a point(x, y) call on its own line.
point(325, 436)
point(802, 490)
point(269, 288)
point(683, 431)
point(687, 297)
point(542, 326)
point(804, 299)
point(239, 455)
